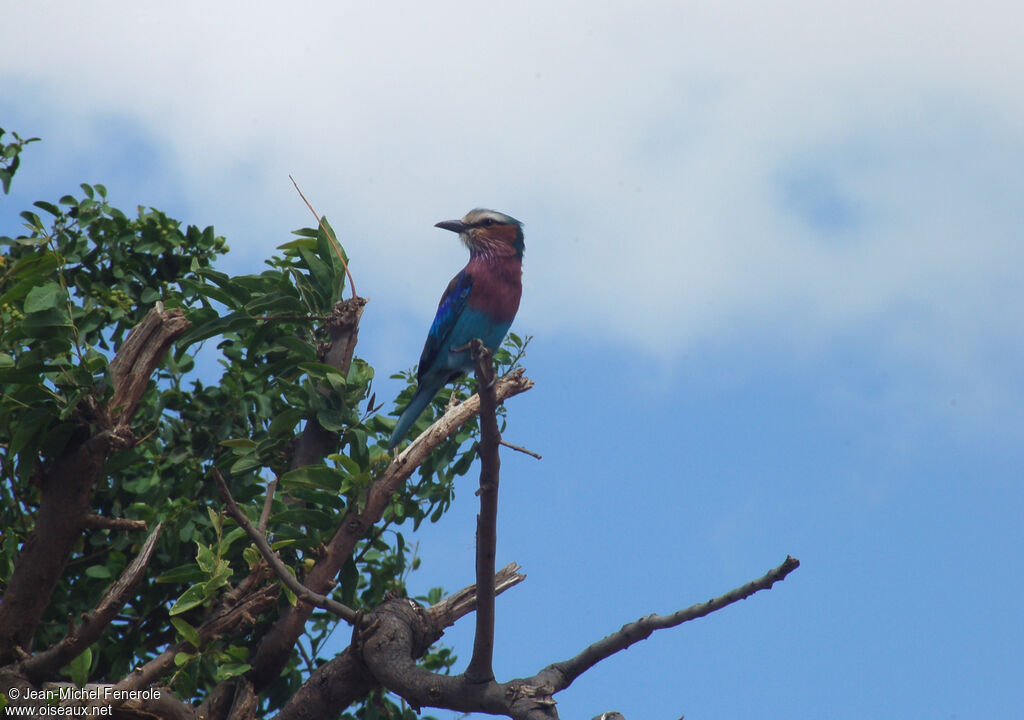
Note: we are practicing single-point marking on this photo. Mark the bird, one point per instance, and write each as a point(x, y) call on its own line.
point(480, 302)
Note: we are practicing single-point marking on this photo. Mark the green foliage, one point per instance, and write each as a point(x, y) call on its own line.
point(9, 160)
point(233, 394)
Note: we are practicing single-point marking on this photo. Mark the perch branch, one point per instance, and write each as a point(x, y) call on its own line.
point(280, 569)
point(277, 644)
point(480, 667)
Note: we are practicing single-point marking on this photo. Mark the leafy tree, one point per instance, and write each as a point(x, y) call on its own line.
point(181, 547)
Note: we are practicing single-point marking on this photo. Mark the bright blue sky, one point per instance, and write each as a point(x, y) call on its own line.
point(773, 272)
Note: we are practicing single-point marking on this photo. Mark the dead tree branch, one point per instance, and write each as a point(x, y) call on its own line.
point(459, 604)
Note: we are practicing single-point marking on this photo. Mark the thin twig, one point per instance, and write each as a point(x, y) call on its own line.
point(480, 667)
point(280, 569)
point(105, 522)
point(330, 236)
point(293, 318)
point(268, 503)
point(519, 448)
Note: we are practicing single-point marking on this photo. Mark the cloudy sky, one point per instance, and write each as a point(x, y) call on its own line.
point(773, 272)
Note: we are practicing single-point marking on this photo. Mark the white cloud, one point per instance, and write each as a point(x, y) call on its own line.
point(685, 171)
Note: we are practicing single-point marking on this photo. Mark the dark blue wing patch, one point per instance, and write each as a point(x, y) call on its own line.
point(452, 304)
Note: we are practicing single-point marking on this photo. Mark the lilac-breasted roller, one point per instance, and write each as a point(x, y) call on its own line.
point(480, 302)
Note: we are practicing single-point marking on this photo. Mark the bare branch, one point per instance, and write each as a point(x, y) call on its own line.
point(280, 569)
point(268, 504)
point(520, 448)
point(457, 605)
point(47, 663)
point(561, 674)
point(480, 667)
point(102, 522)
point(140, 354)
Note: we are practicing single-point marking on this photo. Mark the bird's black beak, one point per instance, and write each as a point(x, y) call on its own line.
point(454, 225)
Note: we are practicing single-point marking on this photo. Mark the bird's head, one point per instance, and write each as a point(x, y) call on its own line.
point(488, 232)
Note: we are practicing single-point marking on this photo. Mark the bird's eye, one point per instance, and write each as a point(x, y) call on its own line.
point(488, 222)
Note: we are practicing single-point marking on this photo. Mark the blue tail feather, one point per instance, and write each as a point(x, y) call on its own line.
point(424, 394)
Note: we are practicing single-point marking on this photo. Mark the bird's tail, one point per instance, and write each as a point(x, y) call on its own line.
point(420, 400)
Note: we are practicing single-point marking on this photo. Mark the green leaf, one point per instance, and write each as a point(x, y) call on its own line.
point(187, 631)
point(193, 597)
point(48, 207)
point(304, 350)
point(331, 420)
point(276, 302)
point(239, 444)
point(182, 574)
point(350, 465)
point(307, 517)
point(80, 667)
point(205, 558)
point(313, 476)
point(284, 423)
point(45, 297)
point(98, 571)
point(231, 537)
point(216, 519)
point(320, 370)
point(52, 317)
point(349, 582)
point(246, 463)
point(230, 670)
point(232, 323)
